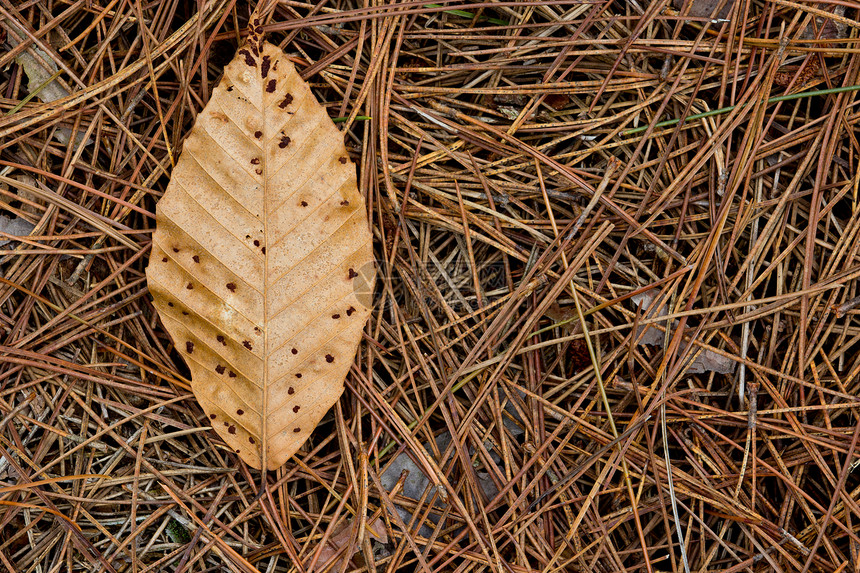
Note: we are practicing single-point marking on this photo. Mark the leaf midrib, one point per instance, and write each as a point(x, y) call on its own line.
point(265, 144)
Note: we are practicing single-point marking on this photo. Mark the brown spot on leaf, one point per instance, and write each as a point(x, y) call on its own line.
point(329, 358)
point(170, 304)
point(265, 65)
point(297, 430)
point(290, 391)
point(343, 160)
point(256, 243)
point(189, 347)
point(349, 311)
point(190, 286)
point(163, 259)
point(220, 369)
point(258, 171)
point(270, 86)
point(352, 274)
point(255, 161)
point(213, 416)
point(285, 141)
point(240, 411)
point(249, 59)
point(247, 344)
point(220, 339)
point(252, 440)
point(175, 250)
point(294, 351)
point(335, 316)
point(263, 250)
point(298, 374)
point(184, 313)
point(229, 88)
point(258, 134)
point(275, 67)
point(288, 99)
point(231, 374)
point(232, 429)
point(295, 409)
point(231, 287)
point(196, 258)
point(344, 203)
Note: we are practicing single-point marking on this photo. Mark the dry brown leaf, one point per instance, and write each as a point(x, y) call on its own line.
point(340, 541)
point(261, 264)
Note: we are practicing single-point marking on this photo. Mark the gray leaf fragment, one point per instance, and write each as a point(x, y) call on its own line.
point(652, 336)
point(17, 227)
point(706, 361)
point(417, 481)
point(39, 68)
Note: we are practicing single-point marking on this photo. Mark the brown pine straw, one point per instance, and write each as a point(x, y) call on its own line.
point(553, 280)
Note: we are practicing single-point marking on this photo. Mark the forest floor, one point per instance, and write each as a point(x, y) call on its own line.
point(616, 321)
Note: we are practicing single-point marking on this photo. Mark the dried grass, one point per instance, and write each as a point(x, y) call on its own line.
point(530, 172)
